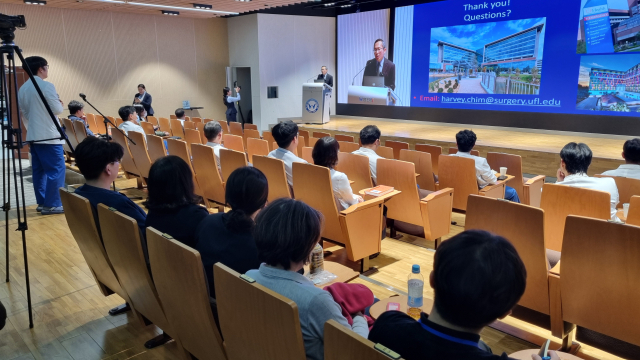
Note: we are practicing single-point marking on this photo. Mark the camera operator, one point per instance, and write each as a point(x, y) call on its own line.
point(229, 101)
point(47, 157)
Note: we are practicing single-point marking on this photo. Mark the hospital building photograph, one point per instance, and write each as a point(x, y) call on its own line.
point(609, 83)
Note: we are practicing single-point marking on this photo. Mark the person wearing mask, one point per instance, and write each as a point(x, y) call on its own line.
point(286, 135)
point(47, 156)
point(574, 164)
point(286, 232)
point(172, 205)
point(76, 113)
point(213, 133)
point(227, 237)
point(325, 153)
point(370, 140)
point(129, 118)
point(143, 98)
point(229, 101)
point(631, 156)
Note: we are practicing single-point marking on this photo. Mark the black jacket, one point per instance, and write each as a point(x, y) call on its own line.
point(146, 103)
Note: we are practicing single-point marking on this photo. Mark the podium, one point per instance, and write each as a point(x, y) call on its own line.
point(316, 98)
point(367, 95)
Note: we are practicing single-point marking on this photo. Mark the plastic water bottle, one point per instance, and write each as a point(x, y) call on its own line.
point(415, 285)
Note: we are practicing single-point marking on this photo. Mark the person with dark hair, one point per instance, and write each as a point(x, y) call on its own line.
point(141, 112)
point(229, 101)
point(286, 135)
point(227, 237)
point(286, 232)
point(129, 118)
point(574, 164)
point(477, 278)
point(325, 153)
point(180, 116)
point(172, 205)
point(328, 79)
point(631, 156)
point(76, 113)
point(144, 98)
point(370, 140)
point(47, 155)
point(3, 316)
point(380, 66)
point(213, 133)
point(466, 140)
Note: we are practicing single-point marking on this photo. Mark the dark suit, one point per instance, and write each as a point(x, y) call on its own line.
point(388, 71)
point(146, 103)
point(327, 80)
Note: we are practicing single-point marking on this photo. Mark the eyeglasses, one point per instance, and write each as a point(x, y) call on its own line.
point(378, 49)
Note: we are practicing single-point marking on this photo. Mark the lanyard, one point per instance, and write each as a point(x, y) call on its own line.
point(448, 337)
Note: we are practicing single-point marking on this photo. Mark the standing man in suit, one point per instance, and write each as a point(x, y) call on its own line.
point(143, 98)
point(328, 79)
point(379, 66)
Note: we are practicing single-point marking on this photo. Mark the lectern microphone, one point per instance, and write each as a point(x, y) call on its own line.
point(354, 78)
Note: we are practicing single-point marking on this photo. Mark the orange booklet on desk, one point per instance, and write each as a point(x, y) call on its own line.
point(379, 190)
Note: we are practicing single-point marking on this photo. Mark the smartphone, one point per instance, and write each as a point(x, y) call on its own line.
point(393, 306)
point(544, 350)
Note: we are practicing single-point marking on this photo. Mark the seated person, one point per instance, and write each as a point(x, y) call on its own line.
point(76, 113)
point(370, 139)
point(286, 135)
point(213, 133)
point(631, 156)
point(325, 153)
point(172, 204)
point(477, 278)
point(180, 115)
point(574, 163)
point(227, 237)
point(129, 118)
point(142, 113)
point(466, 140)
point(286, 232)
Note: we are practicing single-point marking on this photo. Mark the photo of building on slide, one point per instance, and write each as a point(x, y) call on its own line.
point(609, 83)
point(608, 26)
point(491, 58)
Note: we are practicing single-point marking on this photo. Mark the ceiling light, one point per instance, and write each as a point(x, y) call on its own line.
point(175, 13)
point(329, 4)
point(202, 6)
point(165, 6)
point(35, 2)
point(346, 6)
point(243, 0)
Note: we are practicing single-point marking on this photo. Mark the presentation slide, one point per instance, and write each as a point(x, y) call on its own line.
point(510, 55)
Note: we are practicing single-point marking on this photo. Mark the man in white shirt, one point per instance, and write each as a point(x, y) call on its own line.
point(213, 133)
point(466, 140)
point(129, 118)
point(631, 156)
point(370, 139)
point(286, 135)
point(574, 163)
point(180, 116)
point(47, 157)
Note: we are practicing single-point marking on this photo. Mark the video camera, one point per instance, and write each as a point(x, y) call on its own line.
point(9, 24)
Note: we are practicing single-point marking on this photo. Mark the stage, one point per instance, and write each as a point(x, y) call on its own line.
point(539, 148)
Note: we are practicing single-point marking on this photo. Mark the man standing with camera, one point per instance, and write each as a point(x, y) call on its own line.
point(47, 155)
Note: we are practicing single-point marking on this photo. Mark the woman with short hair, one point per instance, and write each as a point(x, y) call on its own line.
point(325, 153)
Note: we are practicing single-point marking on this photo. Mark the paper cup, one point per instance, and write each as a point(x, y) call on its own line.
point(503, 171)
point(625, 209)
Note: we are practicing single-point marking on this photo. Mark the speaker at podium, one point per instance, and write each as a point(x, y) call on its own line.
point(316, 98)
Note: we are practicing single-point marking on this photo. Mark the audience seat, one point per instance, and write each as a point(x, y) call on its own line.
point(189, 125)
point(225, 127)
point(147, 127)
point(93, 125)
point(435, 152)
point(156, 149)
point(100, 124)
point(270, 140)
point(358, 228)
point(257, 147)
point(177, 129)
point(345, 138)
point(385, 152)
point(179, 148)
point(250, 134)
point(274, 170)
point(250, 127)
point(233, 142)
point(396, 146)
point(529, 190)
point(348, 147)
point(187, 118)
point(165, 125)
point(182, 289)
point(307, 154)
point(196, 119)
point(312, 141)
point(80, 131)
point(206, 120)
point(627, 187)
point(306, 135)
point(357, 169)
point(231, 160)
point(341, 343)
point(139, 153)
point(319, 134)
point(116, 121)
point(454, 150)
point(208, 176)
point(301, 144)
point(633, 217)
point(422, 162)
point(173, 116)
point(235, 128)
point(128, 165)
point(257, 323)
point(192, 137)
point(200, 128)
point(153, 120)
point(71, 134)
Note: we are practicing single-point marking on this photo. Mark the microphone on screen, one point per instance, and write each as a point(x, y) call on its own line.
point(354, 78)
point(83, 96)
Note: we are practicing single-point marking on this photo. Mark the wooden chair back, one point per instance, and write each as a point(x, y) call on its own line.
point(231, 160)
point(274, 333)
point(385, 152)
point(121, 236)
point(305, 134)
point(156, 149)
point(93, 126)
point(187, 118)
point(401, 176)
point(100, 124)
point(513, 163)
point(176, 128)
point(396, 146)
point(233, 142)
point(345, 138)
point(250, 127)
point(633, 217)
point(235, 128)
point(523, 225)
point(454, 150)
point(341, 343)
point(301, 144)
point(189, 125)
point(270, 140)
point(460, 174)
point(165, 125)
point(312, 141)
point(196, 119)
point(200, 128)
point(206, 168)
point(152, 119)
point(82, 224)
point(250, 134)
point(71, 132)
point(319, 134)
point(139, 153)
point(127, 163)
point(307, 154)
point(274, 170)
point(225, 127)
point(179, 148)
point(559, 201)
point(192, 137)
point(147, 127)
point(206, 120)
point(348, 147)
point(172, 116)
point(117, 121)
point(181, 286)
point(599, 281)
point(627, 187)
point(435, 152)
point(257, 147)
point(357, 169)
point(422, 162)
point(80, 130)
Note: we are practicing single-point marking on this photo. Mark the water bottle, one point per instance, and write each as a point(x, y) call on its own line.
point(415, 285)
point(317, 260)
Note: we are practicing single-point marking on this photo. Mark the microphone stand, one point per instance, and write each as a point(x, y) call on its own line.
point(354, 78)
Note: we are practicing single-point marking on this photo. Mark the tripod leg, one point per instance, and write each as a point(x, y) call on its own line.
point(6, 183)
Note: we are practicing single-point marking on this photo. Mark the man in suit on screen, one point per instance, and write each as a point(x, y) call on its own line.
point(379, 66)
point(328, 79)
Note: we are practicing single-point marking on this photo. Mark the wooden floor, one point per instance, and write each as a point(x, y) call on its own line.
point(539, 148)
point(70, 314)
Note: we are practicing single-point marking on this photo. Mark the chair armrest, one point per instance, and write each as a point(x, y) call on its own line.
point(493, 191)
point(556, 269)
point(385, 197)
point(437, 194)
point(364, 205)
point(532, 191)
point(535, 179)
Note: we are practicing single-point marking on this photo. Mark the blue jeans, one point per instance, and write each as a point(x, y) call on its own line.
point(511, 194)
point(47, 164)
